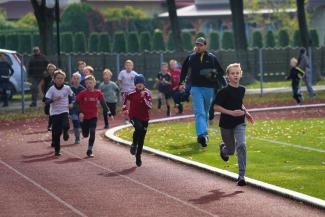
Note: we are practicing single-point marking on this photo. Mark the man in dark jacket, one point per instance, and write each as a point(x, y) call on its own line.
point(36, 67)
point(205, 74)
point(6, 72)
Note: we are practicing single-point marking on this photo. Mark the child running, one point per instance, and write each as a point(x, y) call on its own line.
point(111, 93)
point(229, 102)
point(59, 96)
point(165, 86)
point(76, 87)
point(140, 104)
point(295, 75)
point(87, 100)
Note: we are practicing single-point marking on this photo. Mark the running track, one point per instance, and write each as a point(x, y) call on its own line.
point(35, 183)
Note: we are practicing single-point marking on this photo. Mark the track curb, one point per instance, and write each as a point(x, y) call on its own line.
point(110, 134)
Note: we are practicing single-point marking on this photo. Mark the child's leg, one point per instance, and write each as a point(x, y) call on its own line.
point(85, 128)
point(159, 99)
point(112, 108)
point(105, 117)
point(228, 139)
point(92, 133)
point(56, 132)
point(136, 134)
point(167, 99)
point(240, 136)
point(65, 126)
point(142, 133)
point(76, 127)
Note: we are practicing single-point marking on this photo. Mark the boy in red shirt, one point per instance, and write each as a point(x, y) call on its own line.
point(87, 100)
point(175, 74)
point(140, 104)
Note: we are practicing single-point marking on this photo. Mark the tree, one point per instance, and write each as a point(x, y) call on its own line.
point(45, 18)
point(302, 23)
point(174, 24)
point(238, 24)
point(170, 41)
point(269, 39)
point(29, 20)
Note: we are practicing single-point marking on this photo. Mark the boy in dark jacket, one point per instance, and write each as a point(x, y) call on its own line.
point(140, 104)
point(295, 75)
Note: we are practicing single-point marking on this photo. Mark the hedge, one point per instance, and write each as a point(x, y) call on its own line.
point(25, 43)
point(158, 43)
point(297, 39)
point(80, 44)
point(257, 39)
point(66, 42)
point(314, 37)
point(269, 39)
point(187, 41)
point(227, 40)
point(170, 41)
point(93, 42)
point(12, 42)
point(119, 42)
point(214, 43)
point(133, 42)
point(284, 38)
point(145, 41)
point(104, 44)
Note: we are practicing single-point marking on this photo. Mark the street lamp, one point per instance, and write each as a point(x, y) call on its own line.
point(57, 19)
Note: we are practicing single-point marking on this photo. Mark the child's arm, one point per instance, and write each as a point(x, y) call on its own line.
point(248, 115)
point(235, 113)
point(147, 98)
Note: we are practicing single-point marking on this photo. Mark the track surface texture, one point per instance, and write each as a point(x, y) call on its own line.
point(35, 183)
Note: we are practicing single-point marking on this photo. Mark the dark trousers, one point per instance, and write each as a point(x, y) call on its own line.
point(88, 128)
point(6, 91)
point(34, 89)
point(112, 109)
point(296, 92)
point(59, 123)
point(140, 130)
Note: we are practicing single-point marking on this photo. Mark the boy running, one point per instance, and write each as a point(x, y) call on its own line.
point(87, 100)
point(295, 75)
point(165, 86)
point(140, 104)
point(229, 102)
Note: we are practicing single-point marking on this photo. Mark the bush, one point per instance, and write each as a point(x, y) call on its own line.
point(227, 40)
point(104, 42)
point(200, 34)
point(187, 41)
point(257, 39)
point(2, 41)
point(93, 42)
point(66, 42)
point(25, 43)
point(158, 43)
point(145, 41)
point(314, 38)
point(284, 38)
point(170, 41)
point(12, 41)
point(36, 39)
point(269, 39)
point(214, 43)
point(133, 42)
point(297, 39)
point(119, 42)
point(80, 44)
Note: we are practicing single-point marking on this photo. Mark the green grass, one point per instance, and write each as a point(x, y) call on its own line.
point(13, 116)
point(273, 84)
point(289, 167)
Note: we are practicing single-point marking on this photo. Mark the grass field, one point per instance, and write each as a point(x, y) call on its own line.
point(286, 153)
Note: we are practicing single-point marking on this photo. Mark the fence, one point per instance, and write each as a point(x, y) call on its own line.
point(273, 63)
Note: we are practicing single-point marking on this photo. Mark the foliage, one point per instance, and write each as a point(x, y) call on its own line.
point(80, 44)
point(133, 42)
point(36, 40)
point(93, 42)
point(25, 43)
point(12, 41)
point(227, 40)
point(187, 41)
point(66, 42)
point(314, 37)
point(29, 20)
point(119, 42)
point(145, 41)
point(269, 39)
point(2, 40)
point(257, 39)
point(170, 41)
point(200, 34)
point(214, 43)
point(104, 42)
point(297, 39)
point(127, 13)
point(158, 43)
point(283, 38)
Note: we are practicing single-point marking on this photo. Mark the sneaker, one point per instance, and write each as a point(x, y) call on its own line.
point(133, 149)
point(138, 161)
point(65, 135)
point(224, 158)
point(241, 182)
point(202, 140)
point(90, 153)
point(57, 154)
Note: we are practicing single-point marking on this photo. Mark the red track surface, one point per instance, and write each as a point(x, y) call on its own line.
point(35, 183)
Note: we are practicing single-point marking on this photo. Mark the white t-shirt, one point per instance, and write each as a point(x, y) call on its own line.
point(127, 80)
point(60, 106)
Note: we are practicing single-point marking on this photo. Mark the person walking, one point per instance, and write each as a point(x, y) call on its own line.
point(36, 67)
point(295, 75)
point(205, 74)
point(6, 72)
point(303, 63)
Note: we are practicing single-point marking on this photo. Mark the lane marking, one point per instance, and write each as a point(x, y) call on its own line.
point(51, 194)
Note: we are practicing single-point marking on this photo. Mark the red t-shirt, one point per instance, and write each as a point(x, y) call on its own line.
point(88, 102)
point(176, 77)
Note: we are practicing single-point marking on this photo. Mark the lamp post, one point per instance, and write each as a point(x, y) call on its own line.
point(57, 19)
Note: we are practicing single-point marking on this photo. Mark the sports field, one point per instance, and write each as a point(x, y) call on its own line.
point(286, 153)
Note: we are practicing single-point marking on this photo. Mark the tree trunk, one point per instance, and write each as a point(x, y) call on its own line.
point(45, 18)
point(174, 24)
point(302, 23)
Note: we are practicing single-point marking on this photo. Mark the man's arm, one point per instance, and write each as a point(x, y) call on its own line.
point(220, 72)
point(184, 70)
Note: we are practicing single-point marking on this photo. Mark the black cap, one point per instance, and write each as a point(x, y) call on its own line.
point(139, 79)
point(201, 40)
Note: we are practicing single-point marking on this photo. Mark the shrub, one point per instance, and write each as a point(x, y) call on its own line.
point(25, 43)
point(214, 42)
point(199, 34)
point(158, 43)
point(257, 39)
point(145, 41)
point(104, 42)
point(133, 42)
point(187, 41)
point(66, 42)
point(227, 40)
point(119, 42)
point(283, 38)
point(269, 39)
point(36, 40)
point(170, 41)
point(2, 41)
point(12, 41)
point(297, 39)
point(93, 42)
point(314, 38)
point(80, 44)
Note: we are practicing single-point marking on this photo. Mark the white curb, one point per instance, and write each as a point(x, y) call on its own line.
point(110, 134)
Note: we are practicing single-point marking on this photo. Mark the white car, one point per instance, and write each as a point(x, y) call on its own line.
point(15, 79)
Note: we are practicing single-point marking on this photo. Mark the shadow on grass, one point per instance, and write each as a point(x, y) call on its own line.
point(186, 149)
point(214, 195)
point(123, 172)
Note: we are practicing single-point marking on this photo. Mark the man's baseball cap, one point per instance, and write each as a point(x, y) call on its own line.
point(201, 40)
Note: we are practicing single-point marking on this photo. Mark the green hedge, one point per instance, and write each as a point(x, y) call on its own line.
point(314, 38)
point(80, 44)
point(93, 42)
point(66, 42)
point(25, 43)
point(145, 41)
point(200, 34)
point(133, 42)
point(284, 39)
point(187, 41)
point(104, 42)
point(296, 42)
point(170, 41)
point(269, 39)
point(158, 43)
point(227, 40)
point(36, 40)
point(2, 41)
point(257, 39)
point(119, 42)
point(214, 42)
point(12, 42)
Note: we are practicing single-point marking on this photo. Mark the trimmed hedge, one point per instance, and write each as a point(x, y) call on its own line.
point(119, 42)
point(284, 39)
point(2, 41)
point(227, 40)
point(133, 42)
point(257, 39)
point(297, 39)
point(187, 41)
point(66, 42)
point(158, 43)
point(80, 44)
point(314, 38)
point(104, 42)
point(25, 43)
point(200, 34)
point(36, 40)
point(269, 39)
point(214, 43)
point(145, 41)
point(12, 42)
point(170, 41)
point(93, 42)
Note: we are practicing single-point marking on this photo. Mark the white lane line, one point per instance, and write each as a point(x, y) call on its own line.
point(143, 185)
point(51, 194)
point(288, 144)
